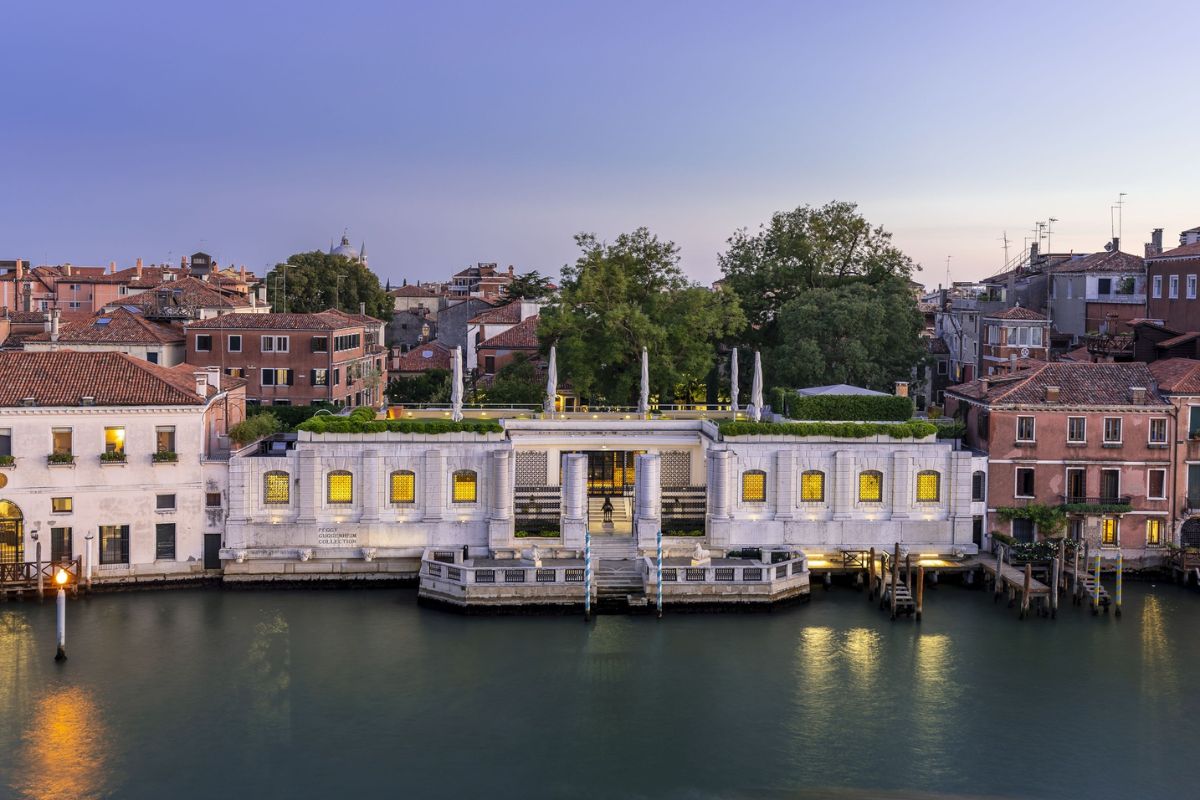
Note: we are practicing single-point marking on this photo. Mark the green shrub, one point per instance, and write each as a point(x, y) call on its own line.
point(290, 416)
point(7, 461)
point(849, 430)
point(113, 457)
point(165, 457)
point(60, 458)
point(254, 428)
point(953, 430)
point(546, 534)
point(844, 407)
point(329, 424)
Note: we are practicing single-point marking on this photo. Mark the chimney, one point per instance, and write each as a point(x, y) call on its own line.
point(1155, 247)
point(1052, 393)
point(201, 383)
point(183, 262)
point(243, 273)
point(1116, 245)
point(137, 269)
point(1137, 395)
point(67, 270)
point(112, 267)
point(46, 324)
point(214, 377)
point(20, 269)
point(510, 271)
point(1033, 254)
point(901, 388)
point(54, 324)
point(254, 300)
point(1012, 362)
point(362, 309)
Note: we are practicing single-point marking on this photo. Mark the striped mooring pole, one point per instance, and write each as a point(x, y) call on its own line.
point(1096, 591)
point(587, 575)
point(1120, 570)
point(659, 600)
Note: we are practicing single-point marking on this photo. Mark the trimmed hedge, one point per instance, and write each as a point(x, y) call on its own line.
point(954, 430)
point(916, 429)
point(289, 416)
point(363, 424)
point(847, 407)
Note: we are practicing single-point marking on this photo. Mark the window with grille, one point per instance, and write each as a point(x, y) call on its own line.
point(339, 487)
point(465, 485)
point(812, 486)
point(1153, 532)
point(164, 541)
point(114, 544)
point(754, 486)
point(870, 486)
point(929, 486)
point(277, 488)
point(404, 485)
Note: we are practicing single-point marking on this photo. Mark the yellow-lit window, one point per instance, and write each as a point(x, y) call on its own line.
point(61, 505)
point(340, 487)
point(465, 483)
point(1108, 530)
point(754, 486)
point(114, 440)
point(870, 486)
point(404, 486)
point(929, 486)
point(1153, 532)
point(277, 488)
point(812, 486)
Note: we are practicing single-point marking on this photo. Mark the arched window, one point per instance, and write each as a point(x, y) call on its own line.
point(812, 486)
point(466, 484)
point(870, 486)
point(339, 487)
point(277, 488)
point(978, 479)
point(404, 485)
point(929, 486)
point(754, 486)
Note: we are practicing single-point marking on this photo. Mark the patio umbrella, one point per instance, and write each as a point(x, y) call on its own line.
point(456, 386)
point(551, 382)
point(756, 389)
point(733, 382)
point(644, 399)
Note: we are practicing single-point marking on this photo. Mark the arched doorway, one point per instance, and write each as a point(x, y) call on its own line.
point(1189, 535)
point(12, 533)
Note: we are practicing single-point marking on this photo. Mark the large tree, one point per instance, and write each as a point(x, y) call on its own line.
point(617, 298)
point(517, 382)
point(863, 334)
point(316, 281)
point(802, 250)
point(530, 286)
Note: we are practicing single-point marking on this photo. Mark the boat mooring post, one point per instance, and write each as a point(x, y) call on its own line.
point(920, 590)
point(1055, 576)
point(1096, 592)
point(587, 576)
point(871, 575)
point(658, 602)
point(1120, 570)
point(895, 578)
point(61, 579)
point(1025, 589)
point(37, 549)
point(999, 566)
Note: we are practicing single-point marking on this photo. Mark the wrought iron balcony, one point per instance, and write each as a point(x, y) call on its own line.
point(1102, 500)
point(1113, 345)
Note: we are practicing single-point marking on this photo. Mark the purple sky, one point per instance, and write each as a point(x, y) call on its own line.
point(453, 132)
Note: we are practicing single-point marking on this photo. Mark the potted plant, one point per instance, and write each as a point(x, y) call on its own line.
point(165, 457)
point(113, 457)
point(8, 461)
point(60, 458)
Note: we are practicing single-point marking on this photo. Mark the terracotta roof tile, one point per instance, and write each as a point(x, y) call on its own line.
point(1016, 312)
point(413, 291)
point(510, 313)
point(1104, 262)
point(422, 357)
point(321, 321)
point(523, 335)
point(1177, 375)
point(1102, 384)
point(1175, 341)
point(119, 327)
point(186, 293)
point(64, 377)
point(1185, 251)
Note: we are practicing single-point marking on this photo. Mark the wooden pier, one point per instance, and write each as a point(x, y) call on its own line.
point(18, 579)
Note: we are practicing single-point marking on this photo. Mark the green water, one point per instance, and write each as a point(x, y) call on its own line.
point(325, 694)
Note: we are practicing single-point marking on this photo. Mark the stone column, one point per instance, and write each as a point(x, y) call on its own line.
point(311, 488)
point(370, 486)
point(958, 497)
point(902, 484)
point(240, 491)
point(435, 484)
point(573, 522)
point(720, 465)
point(648, 499)
point(785, 484)
point(502, 487)
point(844, 483)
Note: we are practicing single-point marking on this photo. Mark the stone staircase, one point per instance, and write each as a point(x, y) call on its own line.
point(621, 519)
point(617, 572)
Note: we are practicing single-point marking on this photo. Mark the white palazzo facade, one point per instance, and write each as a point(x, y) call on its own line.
point(367, 506)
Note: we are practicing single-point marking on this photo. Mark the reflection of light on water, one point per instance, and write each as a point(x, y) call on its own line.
point(1158, 668)
point(64, 748)
point(935, 697)
point(862, 653)
point(816, 665)
point(16, 659)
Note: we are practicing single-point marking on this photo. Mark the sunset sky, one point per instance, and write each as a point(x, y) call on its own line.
point(454, 132)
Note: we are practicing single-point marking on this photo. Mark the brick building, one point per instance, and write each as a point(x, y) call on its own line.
point(1014, 333)
point(495, 352)
point(1173, 296)
point(1095, 439)
point(296, 359)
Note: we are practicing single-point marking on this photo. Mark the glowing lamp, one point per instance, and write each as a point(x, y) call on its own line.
point(60, 577)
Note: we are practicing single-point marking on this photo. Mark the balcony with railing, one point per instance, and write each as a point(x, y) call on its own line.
point(1104, 503)
point(1110, 345)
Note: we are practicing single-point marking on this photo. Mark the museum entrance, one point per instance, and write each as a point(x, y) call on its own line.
point(12, 533)
point(611, 475)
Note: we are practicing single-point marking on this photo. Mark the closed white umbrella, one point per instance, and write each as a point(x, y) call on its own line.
point(456, 386)
point(644, 399)
point(733, 382)
point(756, 400)
point(551, 382)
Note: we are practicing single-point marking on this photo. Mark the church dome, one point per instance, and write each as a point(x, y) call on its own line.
point(345, 249)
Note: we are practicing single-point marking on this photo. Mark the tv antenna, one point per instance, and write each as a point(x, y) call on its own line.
point(1049, 229)
point(947, 272)
point(1116, 223)
point(1004, 239)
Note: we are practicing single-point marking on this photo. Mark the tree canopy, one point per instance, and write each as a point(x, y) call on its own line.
point(530, 286)
point(517, 382)
point(431, 386)
point(617, 298)
point(312, 285)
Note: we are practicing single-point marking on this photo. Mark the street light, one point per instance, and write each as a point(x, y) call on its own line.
point(60, 578)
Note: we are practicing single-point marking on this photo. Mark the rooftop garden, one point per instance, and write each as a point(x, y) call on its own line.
point(843, 407)
point(362, 420)
point(916, 429)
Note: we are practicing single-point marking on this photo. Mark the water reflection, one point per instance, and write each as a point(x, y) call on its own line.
point(267, 678)
point(1158, 671)
point(935, 695)
point(64, 749)
point(16, 662)
point(862, 656)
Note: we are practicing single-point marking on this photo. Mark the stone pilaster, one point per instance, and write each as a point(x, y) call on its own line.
point(958, 497)
point(785, 484)
point(845, 481)
point(720, 465)
point(573, 522)
point(435, 484)
point(311, 488)
point(370, 491)
point(502, 485)
point(902, 484)
point(648, 499)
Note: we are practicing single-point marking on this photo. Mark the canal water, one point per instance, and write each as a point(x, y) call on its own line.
point(324, 694)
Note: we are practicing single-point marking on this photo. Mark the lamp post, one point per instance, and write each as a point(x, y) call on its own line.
point(37, 550)
point(87, 558)
point(60, 578)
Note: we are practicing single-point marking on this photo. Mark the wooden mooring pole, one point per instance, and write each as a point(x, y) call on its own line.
point(1025, 590)
point(871, 575)
point(999, 566)
point(908, 572)
point(895, 578)
point(1055, 577)
point(920, 591)
point(37, 548)
point(1120, 570)
point(1096, 593)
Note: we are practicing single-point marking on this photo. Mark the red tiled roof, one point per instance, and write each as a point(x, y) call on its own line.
point(1080, 354)
point(521, 336)
point(188, 372)
point(1104, 262)
point(413, 291)
point(119, 327)
point(422, 357)
point(1102, 384)
point(1177, 375)
point(1016, 312)
point(64, 377)
point(510, 313)
point(187, 292)
point(1175, 341)
point(322, 321)
point(1185, 251)
point(23, 317)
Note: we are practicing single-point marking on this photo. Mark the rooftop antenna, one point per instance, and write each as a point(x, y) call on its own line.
point(947, 272)
point(1120, 213)
point(1005, 240)
point(1049, 230)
